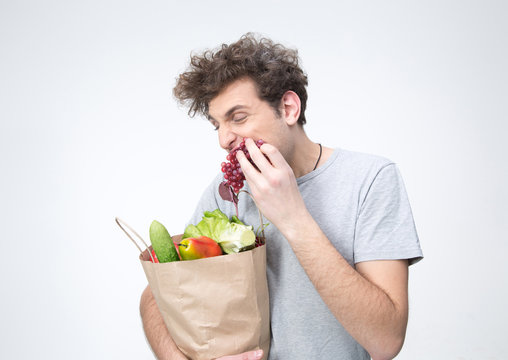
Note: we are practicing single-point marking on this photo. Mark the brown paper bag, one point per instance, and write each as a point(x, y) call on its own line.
point(215, 306)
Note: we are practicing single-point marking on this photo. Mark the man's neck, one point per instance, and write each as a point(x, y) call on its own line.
point(304, 155)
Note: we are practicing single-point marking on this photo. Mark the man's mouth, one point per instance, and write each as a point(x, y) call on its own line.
point(233, 148)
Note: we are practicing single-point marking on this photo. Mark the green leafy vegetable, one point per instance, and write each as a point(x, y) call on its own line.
point(232, 236)
point(236, 220)
point(191, 231)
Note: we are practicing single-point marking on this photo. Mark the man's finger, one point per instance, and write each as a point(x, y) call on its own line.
point(273, 155)
point(257, 156)
point(250, 355)
point(250, 173)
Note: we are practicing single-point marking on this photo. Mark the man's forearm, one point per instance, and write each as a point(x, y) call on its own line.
point(156, 332)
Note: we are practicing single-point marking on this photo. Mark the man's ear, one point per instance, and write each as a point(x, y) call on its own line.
point(290, 107)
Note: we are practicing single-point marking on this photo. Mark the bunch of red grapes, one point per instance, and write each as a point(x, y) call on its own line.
point(232, 171)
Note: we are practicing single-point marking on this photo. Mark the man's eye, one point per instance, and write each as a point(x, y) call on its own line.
point(238, 118)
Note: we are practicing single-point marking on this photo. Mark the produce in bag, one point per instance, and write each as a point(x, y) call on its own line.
point(212, 306)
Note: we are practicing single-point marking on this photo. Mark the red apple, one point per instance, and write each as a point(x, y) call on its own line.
point(198, 248)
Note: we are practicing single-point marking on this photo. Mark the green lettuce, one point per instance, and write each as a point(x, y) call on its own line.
point(236, 220)
point(233, 236)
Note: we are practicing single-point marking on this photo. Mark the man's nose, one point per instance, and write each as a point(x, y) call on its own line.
point(226, 138)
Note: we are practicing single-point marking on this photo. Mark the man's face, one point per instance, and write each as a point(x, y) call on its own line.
point(238, 112)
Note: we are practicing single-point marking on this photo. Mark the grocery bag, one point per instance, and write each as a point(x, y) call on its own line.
point(214, 306)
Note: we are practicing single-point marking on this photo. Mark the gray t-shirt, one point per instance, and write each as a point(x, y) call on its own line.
point(360, 203)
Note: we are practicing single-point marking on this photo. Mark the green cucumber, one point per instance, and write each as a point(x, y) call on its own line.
point(162, 243)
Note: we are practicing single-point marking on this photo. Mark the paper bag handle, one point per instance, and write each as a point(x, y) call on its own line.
point(120, 223)
point(262, 225)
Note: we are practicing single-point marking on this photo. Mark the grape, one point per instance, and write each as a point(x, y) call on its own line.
point(233, 173)
point(260, 241)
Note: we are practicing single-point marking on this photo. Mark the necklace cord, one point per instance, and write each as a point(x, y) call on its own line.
point(319, 158)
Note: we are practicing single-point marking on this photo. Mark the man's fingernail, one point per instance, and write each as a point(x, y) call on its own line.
point(259, 354)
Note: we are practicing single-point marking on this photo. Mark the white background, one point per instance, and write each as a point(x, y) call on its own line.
point(89, 131)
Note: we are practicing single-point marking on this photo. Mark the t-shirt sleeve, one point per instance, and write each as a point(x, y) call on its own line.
point(385, 229)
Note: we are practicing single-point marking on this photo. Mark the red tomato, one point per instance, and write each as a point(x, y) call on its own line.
point(154, 257)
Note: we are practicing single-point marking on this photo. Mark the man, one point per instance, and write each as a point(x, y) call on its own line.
point(341, 234)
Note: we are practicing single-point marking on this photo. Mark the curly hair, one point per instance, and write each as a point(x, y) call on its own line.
point(273, 67)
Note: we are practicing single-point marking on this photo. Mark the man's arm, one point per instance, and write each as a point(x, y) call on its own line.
point(157, 334)
point(370, 301)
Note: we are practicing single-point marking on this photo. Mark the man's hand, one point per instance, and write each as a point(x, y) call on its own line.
point(250, 355)
point(273, 186)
